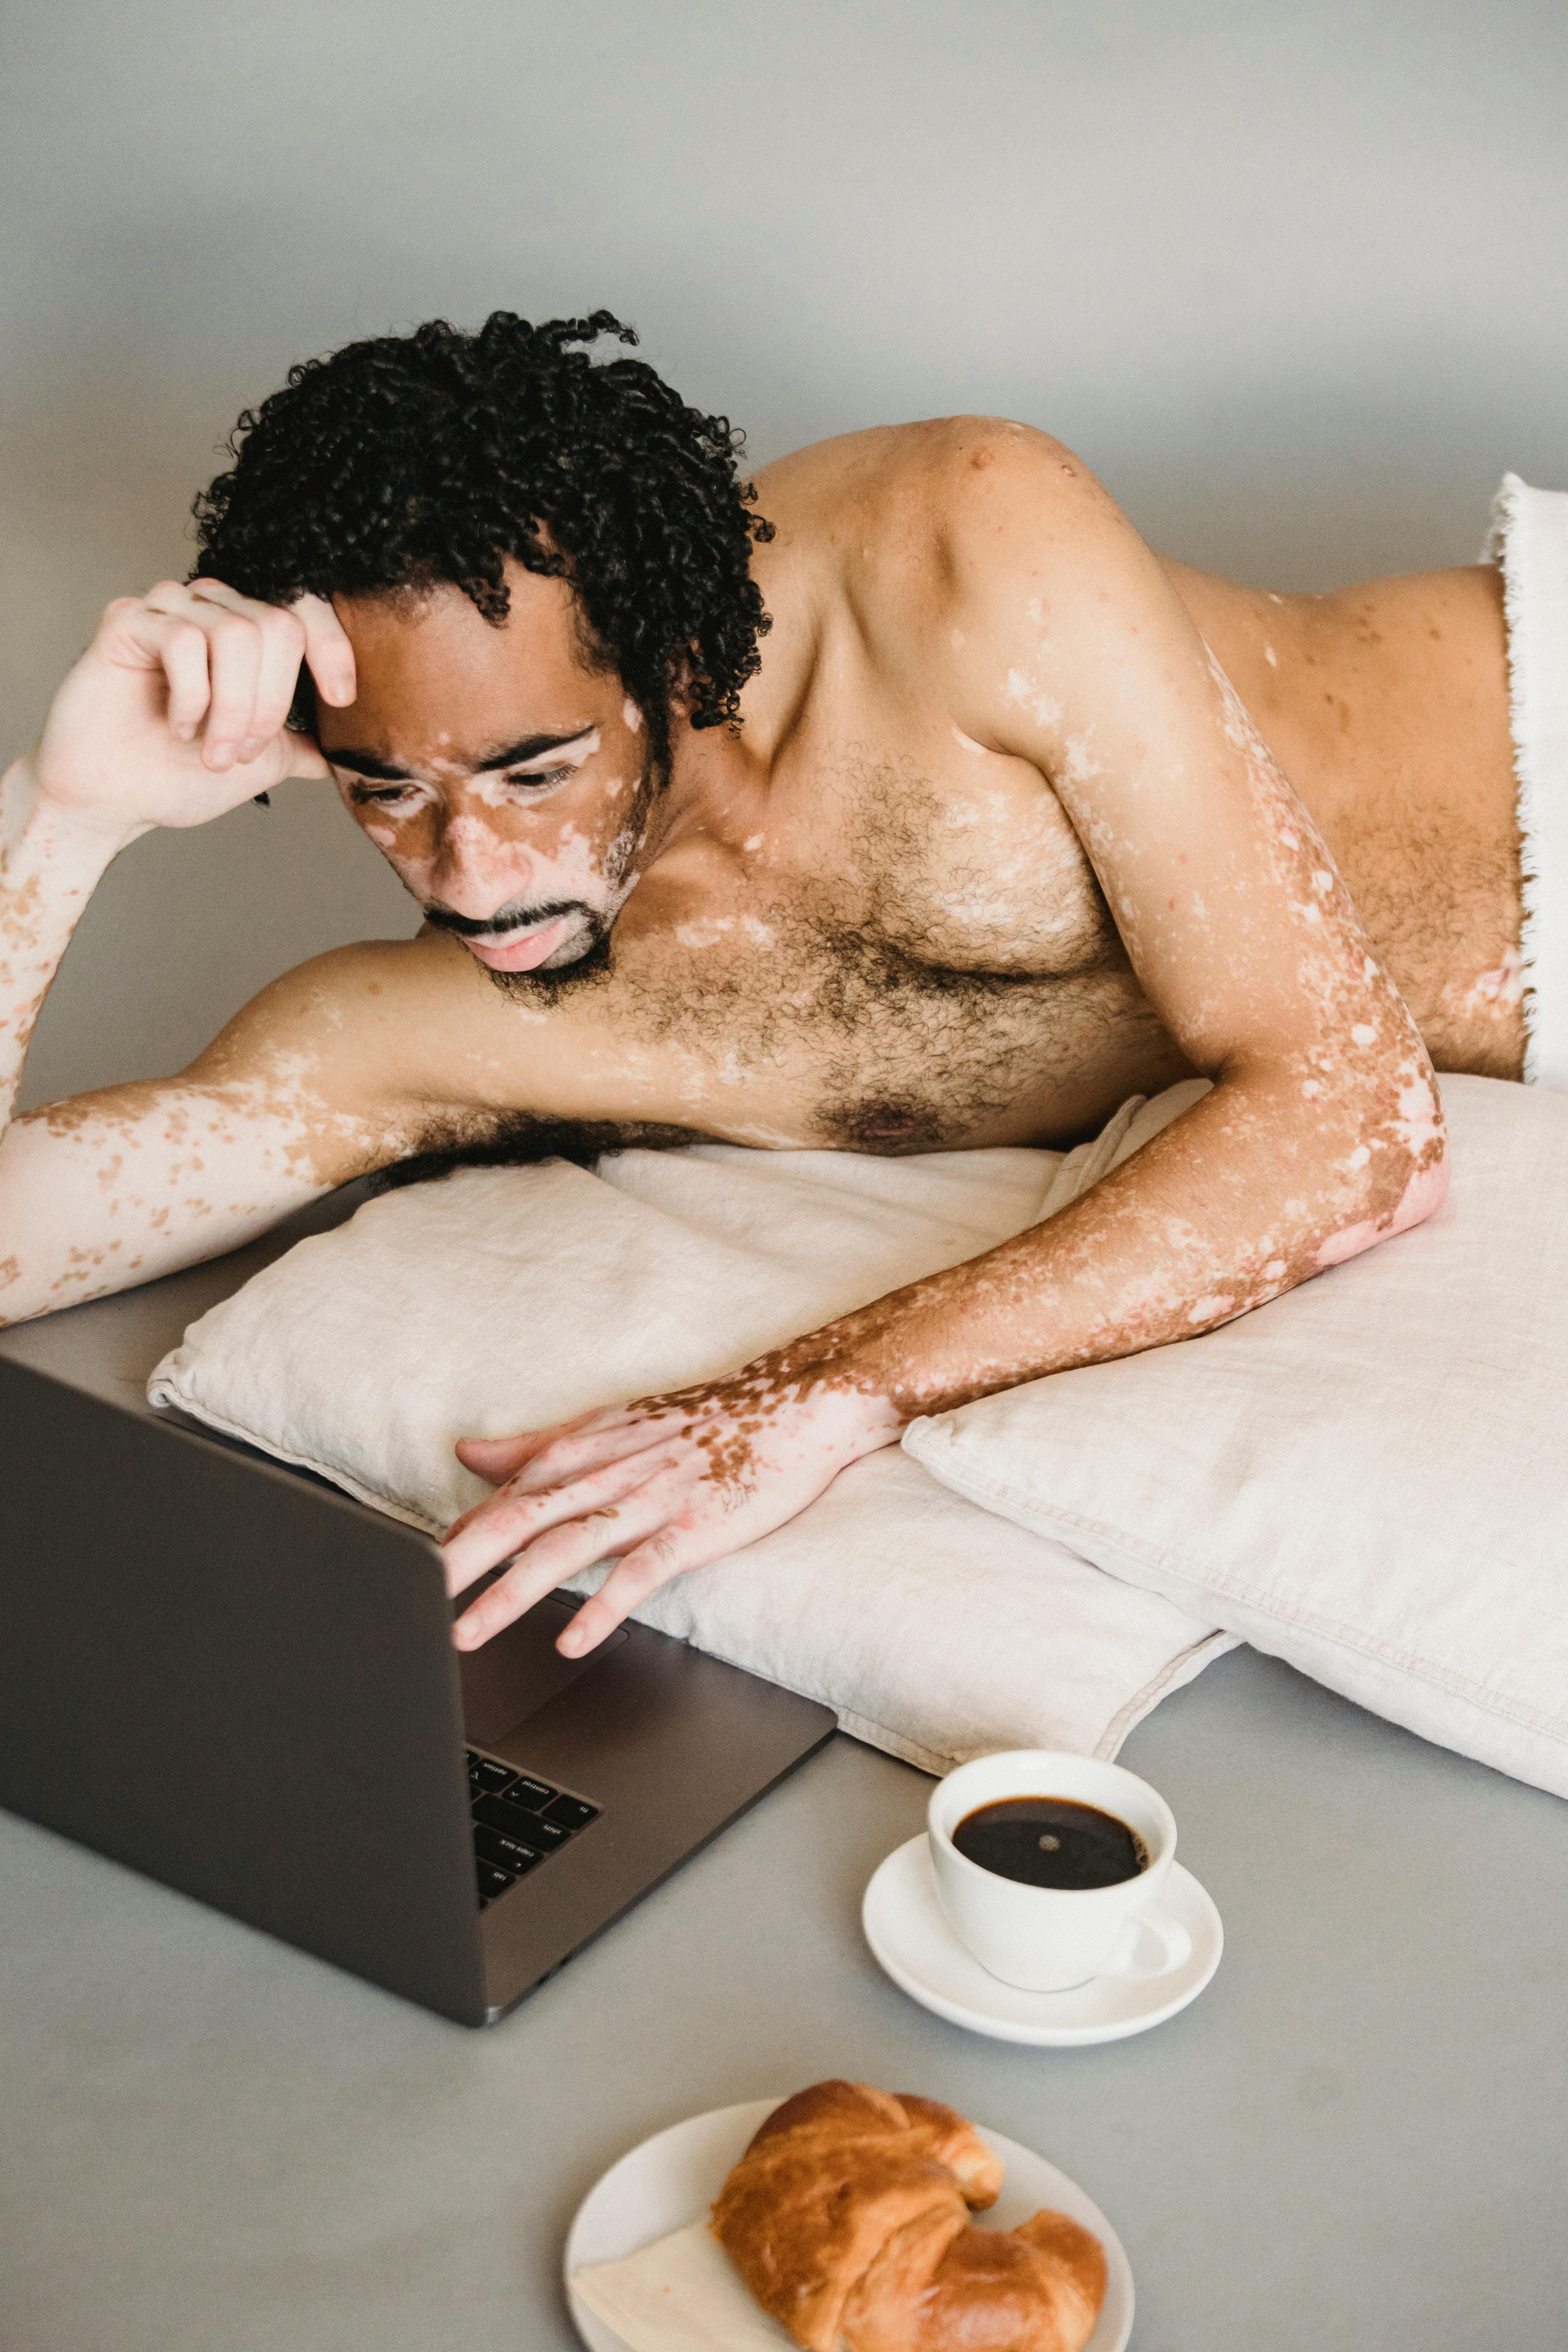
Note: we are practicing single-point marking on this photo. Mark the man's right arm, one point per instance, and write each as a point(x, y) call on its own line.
point(174, 714)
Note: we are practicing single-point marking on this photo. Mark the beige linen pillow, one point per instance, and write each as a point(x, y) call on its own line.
point(500, 1299)
point(1368, 1478)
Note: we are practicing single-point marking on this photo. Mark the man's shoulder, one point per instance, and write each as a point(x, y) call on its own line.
point(372, 979)
point(923, 539)
point(932, 469)
point(907, 520)
point(386, 1020)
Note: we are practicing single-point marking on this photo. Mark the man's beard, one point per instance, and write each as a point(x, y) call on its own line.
point(589, 970)
point(543, 986)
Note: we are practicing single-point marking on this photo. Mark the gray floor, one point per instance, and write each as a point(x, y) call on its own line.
point(1355, 2138)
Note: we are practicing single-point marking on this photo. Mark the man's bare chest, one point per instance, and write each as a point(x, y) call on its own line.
point(808, 1024)
point(932, 966)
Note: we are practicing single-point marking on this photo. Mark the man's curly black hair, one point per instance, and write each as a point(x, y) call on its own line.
point(408, 459)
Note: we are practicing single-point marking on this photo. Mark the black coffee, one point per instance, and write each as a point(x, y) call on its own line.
point(1051, 1841)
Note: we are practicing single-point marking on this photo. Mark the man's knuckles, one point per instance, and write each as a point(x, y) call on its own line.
point(643, 1571)
point(282, 624)
point(234, 632)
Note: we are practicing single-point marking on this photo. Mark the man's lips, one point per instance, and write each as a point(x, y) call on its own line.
point(519, 950)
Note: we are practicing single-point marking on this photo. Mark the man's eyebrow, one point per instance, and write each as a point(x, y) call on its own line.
point(506, 755)
point(365, 763)
point(513, 755)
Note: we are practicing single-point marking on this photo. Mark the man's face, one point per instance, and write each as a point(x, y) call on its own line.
point(507, 785)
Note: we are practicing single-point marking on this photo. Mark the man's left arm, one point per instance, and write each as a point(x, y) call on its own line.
point(1064, 645)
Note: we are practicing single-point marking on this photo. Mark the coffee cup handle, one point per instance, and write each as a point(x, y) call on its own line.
point(1175, 1945)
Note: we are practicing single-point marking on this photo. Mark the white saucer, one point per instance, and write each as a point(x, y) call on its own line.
point(907, 1928)
point(671, 2179)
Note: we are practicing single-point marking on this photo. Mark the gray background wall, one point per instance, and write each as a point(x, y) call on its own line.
point(1292, 279)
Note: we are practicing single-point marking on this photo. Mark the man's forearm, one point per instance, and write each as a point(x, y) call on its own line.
point(1221, 1213)
point(50, 863)
point(1237, 1202)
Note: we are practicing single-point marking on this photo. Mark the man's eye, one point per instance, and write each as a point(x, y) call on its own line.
point(544, 776)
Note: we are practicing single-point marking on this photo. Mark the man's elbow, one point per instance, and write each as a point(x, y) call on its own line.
point(1408, 1182)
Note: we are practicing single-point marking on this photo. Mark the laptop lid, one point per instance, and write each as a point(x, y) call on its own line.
point(231, 1676)
point(239, 1683)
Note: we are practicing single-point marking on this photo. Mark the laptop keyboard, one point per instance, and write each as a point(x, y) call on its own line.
point(519, 1822)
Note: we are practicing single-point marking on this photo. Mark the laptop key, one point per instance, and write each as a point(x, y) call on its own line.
point(501, 1813)
point(492, 1881)
point(486, 1776)
point(545, 1832)
point(505, 1853)
point(532, 1794)
point(571, 1812)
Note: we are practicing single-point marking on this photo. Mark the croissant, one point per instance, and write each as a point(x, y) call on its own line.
point(848, 2219)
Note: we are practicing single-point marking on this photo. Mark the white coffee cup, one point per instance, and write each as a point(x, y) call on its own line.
point(1048, 1938)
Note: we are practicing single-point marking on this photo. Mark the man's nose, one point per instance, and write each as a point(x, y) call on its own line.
point(474, 873)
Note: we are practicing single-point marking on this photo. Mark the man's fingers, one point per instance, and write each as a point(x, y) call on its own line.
point(233, 661)
point(231, 627)
point(671, 1551)
point(509, 1520)
point(185, 658)
point(555, 1556)
point(137, 633)
point(576, 1453)
point(255, 653)
point(538, 1458)
point(496, 1458)
point(256, 649)
point(327, 650)
point(169, 628)
point(282, 650)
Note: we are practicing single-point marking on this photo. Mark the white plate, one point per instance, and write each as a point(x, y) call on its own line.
point(907, 1930)
point(671, 2179)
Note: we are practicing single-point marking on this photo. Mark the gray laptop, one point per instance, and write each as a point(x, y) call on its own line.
point(227, 1674)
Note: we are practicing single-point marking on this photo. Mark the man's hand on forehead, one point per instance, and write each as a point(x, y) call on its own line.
point(178, 709)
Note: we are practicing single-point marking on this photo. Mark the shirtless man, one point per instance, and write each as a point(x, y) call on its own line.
point(1004, 819)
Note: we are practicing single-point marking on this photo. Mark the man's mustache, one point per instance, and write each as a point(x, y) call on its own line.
point(505, 918)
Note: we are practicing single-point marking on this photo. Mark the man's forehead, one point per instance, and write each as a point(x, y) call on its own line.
point(541, 615)
point(418, 631)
